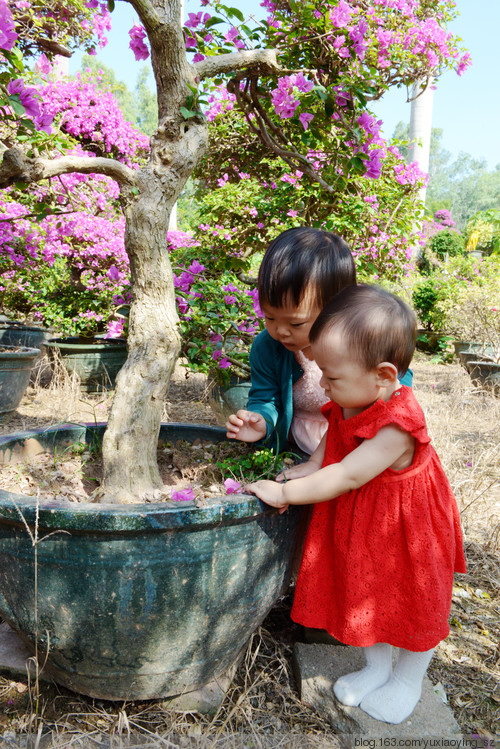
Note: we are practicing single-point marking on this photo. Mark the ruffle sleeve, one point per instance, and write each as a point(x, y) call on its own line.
point(401, 410)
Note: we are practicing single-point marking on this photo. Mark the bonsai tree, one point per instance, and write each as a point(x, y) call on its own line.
point(303, 78)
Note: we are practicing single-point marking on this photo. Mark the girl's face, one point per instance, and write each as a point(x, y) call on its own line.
point(344, 378)
point(291, 323)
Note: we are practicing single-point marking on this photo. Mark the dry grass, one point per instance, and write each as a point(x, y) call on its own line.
point(262, 708)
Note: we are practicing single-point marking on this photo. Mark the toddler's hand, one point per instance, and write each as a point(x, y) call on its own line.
point(269, 492)
point(298, 471)
point(247, 426)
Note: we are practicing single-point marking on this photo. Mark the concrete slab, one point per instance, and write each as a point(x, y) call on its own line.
point(318, 666)
point(14, 655)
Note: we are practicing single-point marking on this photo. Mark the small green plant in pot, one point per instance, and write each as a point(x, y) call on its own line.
point(471, 307)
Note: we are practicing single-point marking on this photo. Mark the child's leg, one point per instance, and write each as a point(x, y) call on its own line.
point(351, 688)
point(397, 699)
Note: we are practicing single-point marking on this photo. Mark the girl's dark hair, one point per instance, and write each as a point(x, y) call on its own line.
point(377, 325)
point(304, 258)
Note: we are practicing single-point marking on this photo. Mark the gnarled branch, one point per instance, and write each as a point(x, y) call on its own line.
point(17, 167)
point(264, 60)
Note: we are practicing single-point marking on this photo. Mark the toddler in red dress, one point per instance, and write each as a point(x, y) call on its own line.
point(384, 538)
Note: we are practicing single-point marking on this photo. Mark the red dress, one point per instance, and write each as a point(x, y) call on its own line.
point(378, 561)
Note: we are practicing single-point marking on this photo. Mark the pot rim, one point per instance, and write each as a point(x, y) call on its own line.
point(23, 352)
point(88, 517)
point(108, 343)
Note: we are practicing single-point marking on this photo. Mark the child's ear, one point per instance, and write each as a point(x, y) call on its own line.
point(387, 374)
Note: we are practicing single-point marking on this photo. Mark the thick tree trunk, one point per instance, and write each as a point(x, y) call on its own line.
point(130, 441)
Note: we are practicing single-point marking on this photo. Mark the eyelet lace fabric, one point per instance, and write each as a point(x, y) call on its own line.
point(308, 424)
point(378, 562)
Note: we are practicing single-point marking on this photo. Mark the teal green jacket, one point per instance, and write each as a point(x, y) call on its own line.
point(274, 370)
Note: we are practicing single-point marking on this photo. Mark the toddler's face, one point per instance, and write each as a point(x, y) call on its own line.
point(344, 378)
point(290, 324)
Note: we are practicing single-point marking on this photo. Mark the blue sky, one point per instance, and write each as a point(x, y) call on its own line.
point(467, 108)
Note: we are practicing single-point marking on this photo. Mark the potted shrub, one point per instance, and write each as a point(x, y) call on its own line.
point(143, 601)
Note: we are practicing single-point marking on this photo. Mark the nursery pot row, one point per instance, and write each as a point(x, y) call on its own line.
point(137, 601)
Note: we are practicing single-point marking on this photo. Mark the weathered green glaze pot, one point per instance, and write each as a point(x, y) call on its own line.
point(17, 334)
point(16, 363)
point(473, 355)
point(138, 601)
point(485, 374)
point(96, 364)
point(226, 400)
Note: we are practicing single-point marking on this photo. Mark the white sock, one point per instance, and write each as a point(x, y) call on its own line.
point(351, 688)
point(397, 699)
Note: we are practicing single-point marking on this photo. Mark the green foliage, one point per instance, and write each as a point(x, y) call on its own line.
point(55, 290)
point(447, 242)
point(464, 186)
point(470, 300)
point(246, 198)
point(424, 300)
point(147, 117)
point(483, 232)
point(258, 464)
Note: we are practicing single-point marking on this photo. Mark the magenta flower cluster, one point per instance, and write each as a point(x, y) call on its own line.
point(8, 34)
point(137, 44)
point(94, 118)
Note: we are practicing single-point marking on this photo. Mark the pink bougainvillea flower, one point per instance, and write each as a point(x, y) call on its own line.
point(113, 273)
point(26, 96)
point(8, 35)
point(43, 65)
point(305, 118)
point(196, 267)
point(232, 486)
point(137, 35)
point(183, 495)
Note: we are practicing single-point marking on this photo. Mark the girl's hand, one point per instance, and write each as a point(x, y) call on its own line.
point(269, 492)
point(247, 426)
point(298, 471)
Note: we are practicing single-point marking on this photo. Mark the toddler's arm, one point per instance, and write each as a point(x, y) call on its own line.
point(248, 426)
point(305, 469)
point(363, 464)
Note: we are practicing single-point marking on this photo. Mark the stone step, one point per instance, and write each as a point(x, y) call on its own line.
point(317, 668)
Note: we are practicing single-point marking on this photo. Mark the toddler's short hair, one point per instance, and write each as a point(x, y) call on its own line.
point(378, 326)
point(303, 258)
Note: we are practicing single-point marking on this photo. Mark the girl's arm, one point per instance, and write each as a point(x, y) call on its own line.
point(305, 469)
point(371, 458)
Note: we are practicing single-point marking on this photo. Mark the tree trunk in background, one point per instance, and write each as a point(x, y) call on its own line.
point(420, 128)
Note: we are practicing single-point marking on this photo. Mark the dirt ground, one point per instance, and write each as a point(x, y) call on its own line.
point(262, 708)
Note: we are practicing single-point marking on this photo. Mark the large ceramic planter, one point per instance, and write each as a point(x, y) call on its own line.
point(138, 601)
point(485, 374)
point(96, 364)
point(16, 364)
point(17, 334)
point(428, 340)
point(466, 346)
point(227, 399)
point(472, 355)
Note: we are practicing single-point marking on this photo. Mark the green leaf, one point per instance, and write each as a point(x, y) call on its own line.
point(213, 22)
point(357, 164)
point(235, 13)
point(111, 5)
point(329, 106)
point(188, 113)
point(16, 105)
